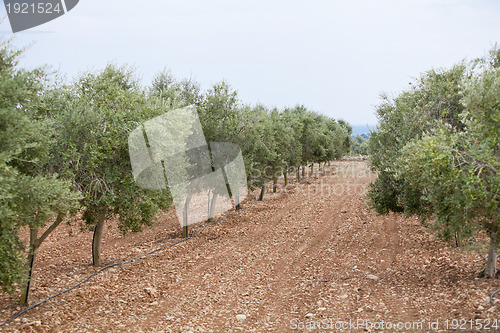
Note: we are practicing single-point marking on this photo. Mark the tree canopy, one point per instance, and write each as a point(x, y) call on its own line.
point(436, 151)
point(31, 194)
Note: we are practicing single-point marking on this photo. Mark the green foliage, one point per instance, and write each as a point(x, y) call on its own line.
point(29, 195)
point(175, 94)
point(257, 144)
point(347, 142)
point(219, 113)
point(273, 141)
point(64, 147)
point(436, 150)
point(434, 98)
point(360, 145)
point(294, 125)
point(96, 115)
point(321, 138)
point(429, 167)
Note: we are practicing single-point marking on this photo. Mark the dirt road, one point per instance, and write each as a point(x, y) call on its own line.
point(310, 258)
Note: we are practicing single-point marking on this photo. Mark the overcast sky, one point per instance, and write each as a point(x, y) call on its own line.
point(335, 57)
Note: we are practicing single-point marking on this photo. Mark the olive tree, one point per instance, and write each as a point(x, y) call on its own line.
point(434, 97)
point(97, 113)
point(31, 195)
point(176, 94)
point(293, 153)
point(436, 152)
point(360, 145)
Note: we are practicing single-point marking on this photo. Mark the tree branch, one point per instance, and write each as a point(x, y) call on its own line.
point(49, 230)
point(472, 160)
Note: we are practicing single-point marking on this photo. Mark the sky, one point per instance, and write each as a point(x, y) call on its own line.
point(335, 57)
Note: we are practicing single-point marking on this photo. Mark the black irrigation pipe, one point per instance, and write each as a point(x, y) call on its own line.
point(119, 263)
point(491, 299)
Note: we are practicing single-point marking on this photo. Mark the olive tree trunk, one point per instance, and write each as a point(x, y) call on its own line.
point(97, 239)
point(491, 263)
point(211, 209)
point(185, 217)
point(35, 243)
point(458, 239)
point(31, 260)
point(262, 191)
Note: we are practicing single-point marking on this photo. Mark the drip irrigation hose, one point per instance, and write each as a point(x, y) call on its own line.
point(493, 302)
point(20, 313)
point(116, 264)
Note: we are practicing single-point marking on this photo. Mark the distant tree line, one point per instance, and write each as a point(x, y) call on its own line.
point(360, 144)
point(436, 152)
point(63, 150)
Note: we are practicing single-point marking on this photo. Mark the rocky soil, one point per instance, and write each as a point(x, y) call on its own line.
point(311, 257)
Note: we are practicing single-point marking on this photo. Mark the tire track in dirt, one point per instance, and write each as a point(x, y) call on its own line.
point(317, 247)
point(258, 239)
point(283, 259)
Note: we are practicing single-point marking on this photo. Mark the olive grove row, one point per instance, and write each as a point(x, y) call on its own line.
point(63, 150)
point(436, 152)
